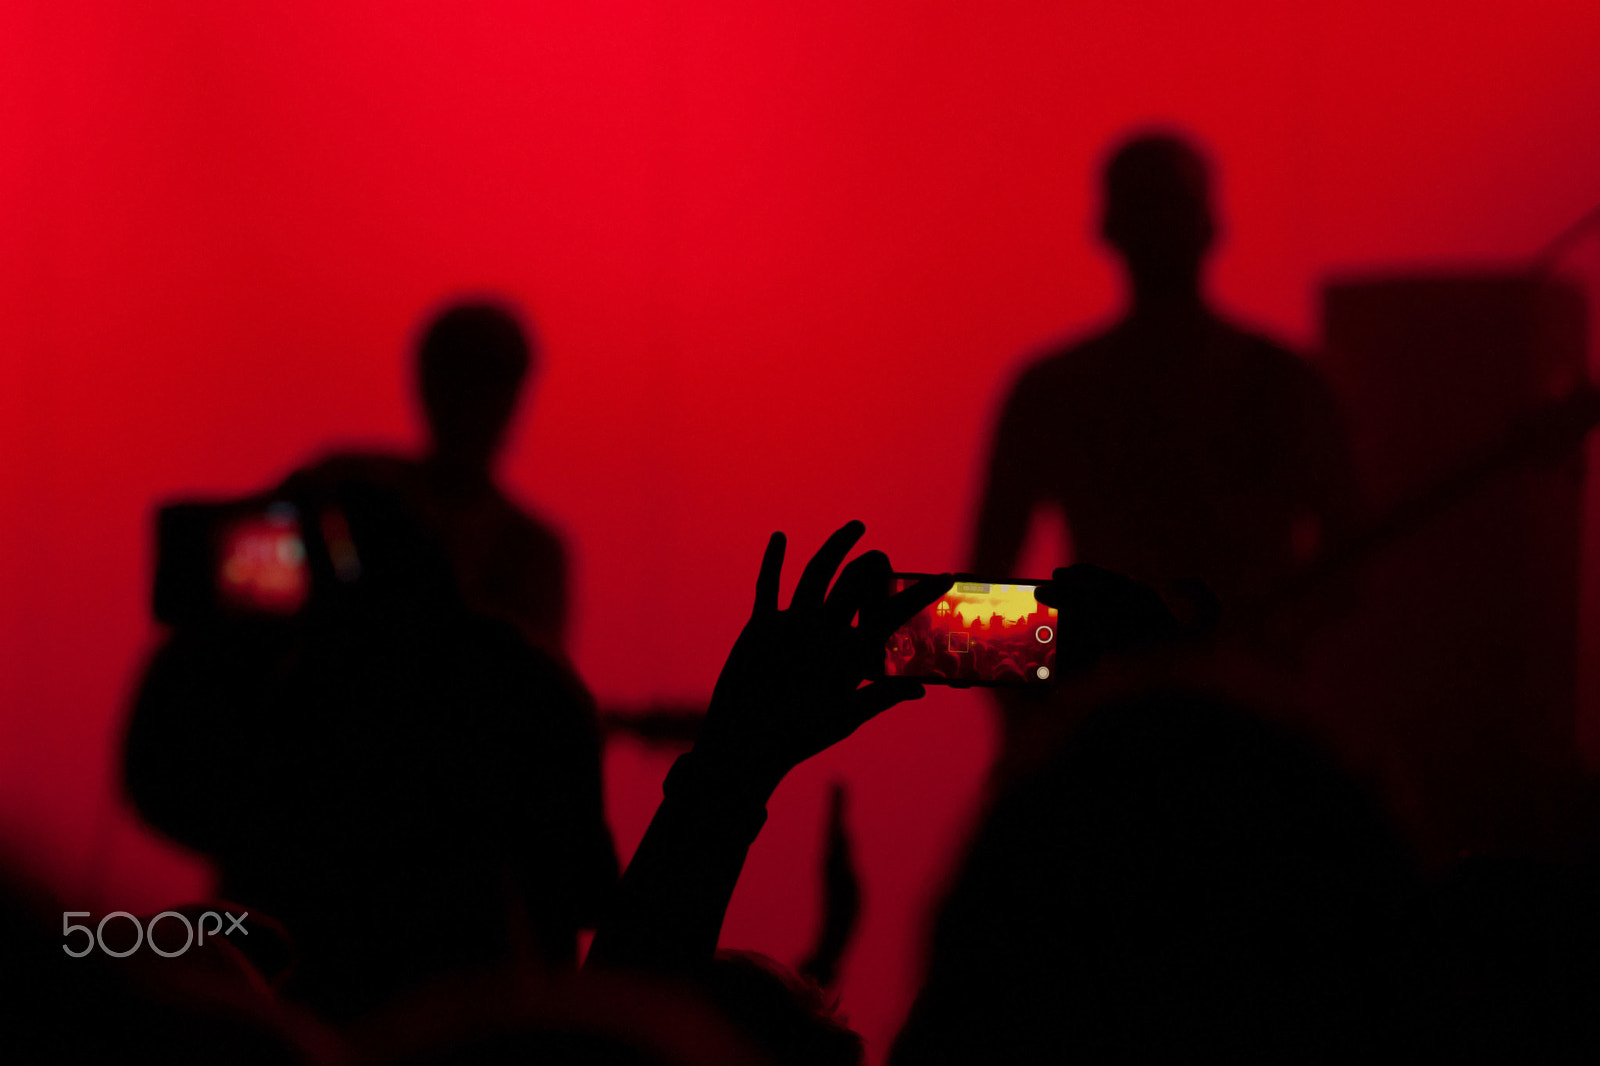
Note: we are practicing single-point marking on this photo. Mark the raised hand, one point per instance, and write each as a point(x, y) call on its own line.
point(792, 685)
point(1103, 614)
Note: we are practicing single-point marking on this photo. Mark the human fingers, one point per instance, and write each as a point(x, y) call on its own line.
point(869, 701)
point(818, 574)
point(1085, 583)
point(767, 579)
point(863, 580)
point(1055, 591)
point(883, 618)
point(1104, 612)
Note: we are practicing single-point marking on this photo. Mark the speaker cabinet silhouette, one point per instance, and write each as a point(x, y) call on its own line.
point(1461, 658)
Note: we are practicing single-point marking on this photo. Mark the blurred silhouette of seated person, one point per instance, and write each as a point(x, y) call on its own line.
point(473, 362)
point(1175, 444)
point(406, 784)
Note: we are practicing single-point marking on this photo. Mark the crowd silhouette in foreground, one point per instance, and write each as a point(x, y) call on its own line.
point(399, 782)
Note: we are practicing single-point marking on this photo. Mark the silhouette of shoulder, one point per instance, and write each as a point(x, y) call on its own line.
point(1126, 379)
point(509, 562)
point(1125, 350)
point(1174, 447)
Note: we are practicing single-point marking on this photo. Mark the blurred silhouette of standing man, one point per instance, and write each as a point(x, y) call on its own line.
point(472, 363)
point(1176, 445)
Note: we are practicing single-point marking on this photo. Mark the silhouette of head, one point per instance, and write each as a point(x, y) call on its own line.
point(1157, 212)
point(1185, 874)
point(471, 363)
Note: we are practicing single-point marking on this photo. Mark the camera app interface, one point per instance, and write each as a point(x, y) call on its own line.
point(977, 633)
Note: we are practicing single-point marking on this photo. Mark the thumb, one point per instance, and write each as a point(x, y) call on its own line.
point(872, 700)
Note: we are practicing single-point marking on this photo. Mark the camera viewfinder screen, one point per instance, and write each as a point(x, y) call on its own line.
point(978, 633)
point(262, 563)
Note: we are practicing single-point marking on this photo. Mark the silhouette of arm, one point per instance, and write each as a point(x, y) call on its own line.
point(792, 687)
point(550, 587)
point(534, 581)
point(672, 899)
point(1011, 485)
point(563, 594)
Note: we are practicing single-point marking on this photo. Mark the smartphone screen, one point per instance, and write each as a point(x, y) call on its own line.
point(978, 633)
point(261, 562)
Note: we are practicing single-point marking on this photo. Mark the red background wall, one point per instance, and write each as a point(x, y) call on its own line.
point(754, 239)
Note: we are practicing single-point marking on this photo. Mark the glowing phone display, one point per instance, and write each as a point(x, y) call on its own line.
point(978, 633)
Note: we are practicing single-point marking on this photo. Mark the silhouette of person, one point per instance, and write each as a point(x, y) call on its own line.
point(1176, 445)
point(1183, 879)
point(405, 783)
point(472, 362)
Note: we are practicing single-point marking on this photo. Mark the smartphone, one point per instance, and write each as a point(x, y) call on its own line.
point(981, 632)
point(242, 558)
